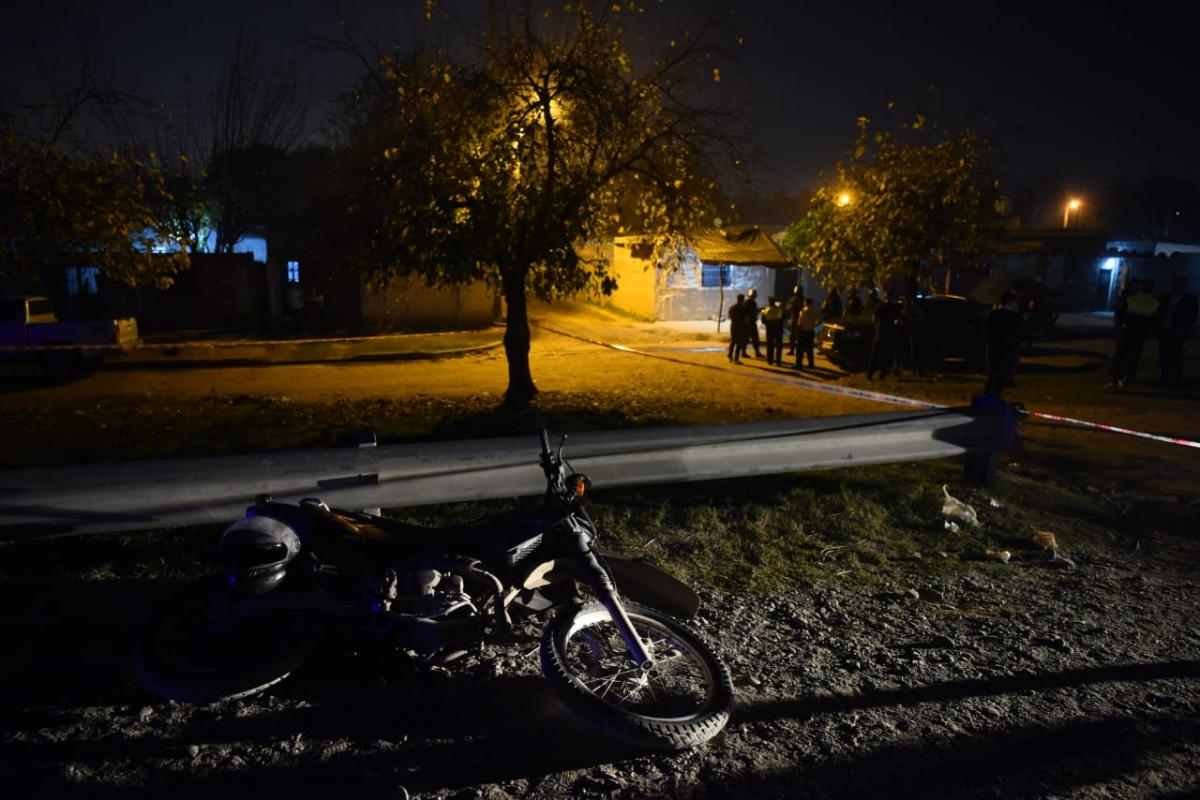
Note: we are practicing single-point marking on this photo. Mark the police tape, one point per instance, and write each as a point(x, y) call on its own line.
point(881, 397)
point(792, 380)
point(1153, 437)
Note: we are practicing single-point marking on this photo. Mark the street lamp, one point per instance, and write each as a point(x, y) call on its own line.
point(844, 199)
point(1073, 205)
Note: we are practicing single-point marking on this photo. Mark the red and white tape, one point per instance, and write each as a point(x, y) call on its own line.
point(1154, 437)
point(881, 397)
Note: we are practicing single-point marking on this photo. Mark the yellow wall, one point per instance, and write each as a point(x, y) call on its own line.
point(635, 283)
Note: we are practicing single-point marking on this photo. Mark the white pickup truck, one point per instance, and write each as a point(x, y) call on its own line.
point(30, 332)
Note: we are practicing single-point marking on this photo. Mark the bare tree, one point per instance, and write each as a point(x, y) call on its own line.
point(257, 114)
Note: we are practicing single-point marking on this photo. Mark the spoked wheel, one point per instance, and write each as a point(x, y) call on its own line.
point(188, 652)
point(682, 700)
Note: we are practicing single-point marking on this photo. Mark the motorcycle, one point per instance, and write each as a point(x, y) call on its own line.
point(613, 647)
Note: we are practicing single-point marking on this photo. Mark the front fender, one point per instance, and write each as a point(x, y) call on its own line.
point(650, 586)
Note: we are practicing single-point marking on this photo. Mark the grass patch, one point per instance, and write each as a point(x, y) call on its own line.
point(873, 527)
point(177, 554)
point(141, 427)
point(876, 528)
point(784, 532)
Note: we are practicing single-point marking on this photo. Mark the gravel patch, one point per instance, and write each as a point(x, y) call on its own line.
point(1032, 681)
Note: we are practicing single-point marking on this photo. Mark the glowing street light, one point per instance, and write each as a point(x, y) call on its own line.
point(1073, 205)
point(844, 199)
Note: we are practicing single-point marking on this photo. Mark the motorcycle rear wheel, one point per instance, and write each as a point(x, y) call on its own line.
point(682, 701)
point(186, 654)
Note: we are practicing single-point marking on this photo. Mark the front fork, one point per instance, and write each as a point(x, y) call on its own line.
point(599, 581)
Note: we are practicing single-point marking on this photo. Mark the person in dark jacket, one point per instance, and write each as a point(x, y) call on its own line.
point(854, 305)
point(1136, 321)
point(737, 329)
point(1004, 330)
point(832, 307)
point(883, 347)
point(792, 309)
point(752, 322)
point(872, 302)
point(912, 334)
point(1176, 316)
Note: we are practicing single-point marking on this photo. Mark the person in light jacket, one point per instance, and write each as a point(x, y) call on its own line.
point(806, 325)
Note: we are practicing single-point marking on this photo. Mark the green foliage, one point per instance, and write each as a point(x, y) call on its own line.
point(498, 165)
point(91, 208)
point(908, 201)
point(496, 161)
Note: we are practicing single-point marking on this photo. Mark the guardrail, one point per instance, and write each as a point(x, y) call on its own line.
point(156, 494)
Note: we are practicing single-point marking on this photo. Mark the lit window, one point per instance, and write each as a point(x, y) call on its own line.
point(714, 275)
point(83, 280)
point(293, 271)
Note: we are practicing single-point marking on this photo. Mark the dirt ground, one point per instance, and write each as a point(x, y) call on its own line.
point(1076, 676)
point(943, 677)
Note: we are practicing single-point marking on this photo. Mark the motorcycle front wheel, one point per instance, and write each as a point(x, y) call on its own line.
point(189, 653)
point(681, 701)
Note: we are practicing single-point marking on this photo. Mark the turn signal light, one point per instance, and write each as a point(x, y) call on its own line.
point(579, 483)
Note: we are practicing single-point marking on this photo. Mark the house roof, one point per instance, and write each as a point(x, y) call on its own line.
point(739, 244)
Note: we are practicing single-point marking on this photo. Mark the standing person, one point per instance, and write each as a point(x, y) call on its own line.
point(1136, 322)
point(1003, 344)
point(872, 302)
point(1176, 316)
point(854, 305)
point(912, 332)
point(752, 322)
point(737, 329)
point(832, 307)
point(795, 305)
point(883, 347)
point(1119, 308)
point(772, 316)
point(1030, 315)
point(806, 324)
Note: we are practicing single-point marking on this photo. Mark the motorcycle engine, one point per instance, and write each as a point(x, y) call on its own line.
point(425, 593)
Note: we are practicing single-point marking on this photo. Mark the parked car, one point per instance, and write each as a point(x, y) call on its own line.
point(31, 333)
point(953, 327)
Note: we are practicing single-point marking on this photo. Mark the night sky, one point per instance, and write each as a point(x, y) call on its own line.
point(1070, 92)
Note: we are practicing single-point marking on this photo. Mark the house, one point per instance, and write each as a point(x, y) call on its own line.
point(710, 271)
point(302, 268)
point(1156, 261)
point(216, 291)
point(1067, 261)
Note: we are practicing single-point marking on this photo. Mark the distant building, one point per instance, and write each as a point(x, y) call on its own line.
point(1084, 268)
point(1067, 261)
point(708, 275)
point(309, 285)
point(1151, 260)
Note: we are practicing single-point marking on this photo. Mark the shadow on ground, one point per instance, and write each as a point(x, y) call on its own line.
point(1027, 761)
point(366, 724)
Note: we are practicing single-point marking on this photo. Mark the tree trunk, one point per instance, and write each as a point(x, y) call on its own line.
point(516, 343)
